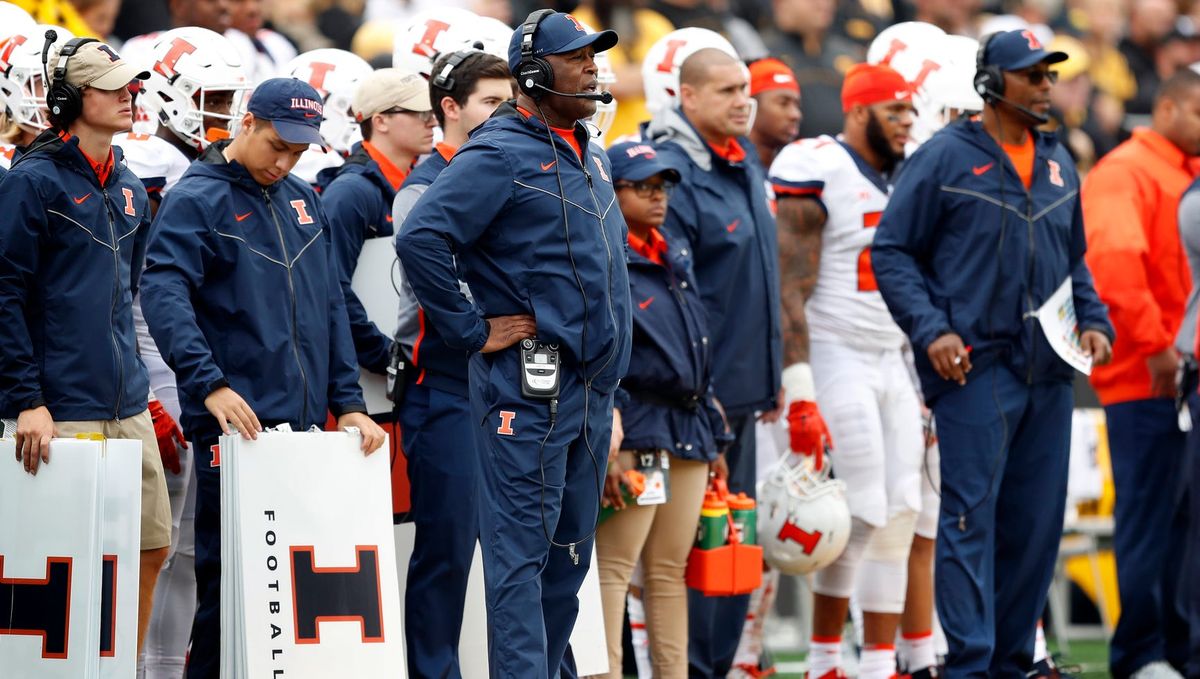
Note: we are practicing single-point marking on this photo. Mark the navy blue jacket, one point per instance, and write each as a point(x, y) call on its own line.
point(720, 208)
point(964, 248)
point(437, 364)
point(666, 399)
point(358, 203)
point(497, 207)
point(71, 251)
point(241, 290)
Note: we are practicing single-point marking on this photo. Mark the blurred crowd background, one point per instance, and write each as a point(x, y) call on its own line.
point(1120, 50)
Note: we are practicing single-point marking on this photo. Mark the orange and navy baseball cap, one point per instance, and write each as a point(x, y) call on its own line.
point(771, 74)
point(558, 33)
point(867, 84)
point(1016, 50)
point(293, 106)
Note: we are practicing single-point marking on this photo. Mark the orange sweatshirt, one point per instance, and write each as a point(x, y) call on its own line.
point(1130, 215)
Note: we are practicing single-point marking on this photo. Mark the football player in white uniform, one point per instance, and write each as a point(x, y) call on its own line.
point(830, 194)
point(13, 20)
point(195, 89)
point(23, 88)
point(264, 51)
point(335, 75)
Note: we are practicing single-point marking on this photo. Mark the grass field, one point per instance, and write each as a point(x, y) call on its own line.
point(1088, 660)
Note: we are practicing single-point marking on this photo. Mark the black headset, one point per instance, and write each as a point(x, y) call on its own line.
point(65, 100)
point(444, 79)
point(534, 74)
point(989, 79)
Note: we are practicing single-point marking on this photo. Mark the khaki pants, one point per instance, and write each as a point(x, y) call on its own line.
point(662, 536)
point(156, 508)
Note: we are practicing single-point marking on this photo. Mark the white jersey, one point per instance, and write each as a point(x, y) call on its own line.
point(7, 153)
point(152, 159)
point(845, 306)
point(138, 51)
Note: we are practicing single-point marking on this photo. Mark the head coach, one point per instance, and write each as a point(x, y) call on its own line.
point(984, 226)
point(528, 209)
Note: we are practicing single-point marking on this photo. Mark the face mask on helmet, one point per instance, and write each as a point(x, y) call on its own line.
point(195, 72)
point(23, 86)
point(803, 517)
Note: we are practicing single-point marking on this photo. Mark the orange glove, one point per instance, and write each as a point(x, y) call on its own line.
point(807, 430)
point(169, 436)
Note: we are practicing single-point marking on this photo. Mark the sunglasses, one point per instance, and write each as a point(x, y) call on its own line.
point(646, 189)
point(1035, 77)
point(423, 116)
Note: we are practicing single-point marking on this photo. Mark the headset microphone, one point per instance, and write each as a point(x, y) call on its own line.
point(51, 37)
point(602, 97)
point(1040, 118)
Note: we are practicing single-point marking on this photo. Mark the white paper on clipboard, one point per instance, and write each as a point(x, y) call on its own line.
point(1061, 327)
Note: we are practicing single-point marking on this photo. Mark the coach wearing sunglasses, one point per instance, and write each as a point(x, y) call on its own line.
point(983, 228)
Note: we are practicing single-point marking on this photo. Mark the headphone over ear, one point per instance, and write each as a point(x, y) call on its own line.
point(443, 78)
point(989, 79)
point(534, 73)
point(65, 100)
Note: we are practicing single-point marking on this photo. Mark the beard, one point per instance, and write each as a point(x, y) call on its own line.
point(879, 144)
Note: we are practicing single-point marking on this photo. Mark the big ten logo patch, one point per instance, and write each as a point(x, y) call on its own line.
point(336, 594)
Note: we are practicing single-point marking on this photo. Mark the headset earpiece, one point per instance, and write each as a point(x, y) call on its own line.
point(65, 100)
point(989, 80)
point(444, 79)
point(533, 73)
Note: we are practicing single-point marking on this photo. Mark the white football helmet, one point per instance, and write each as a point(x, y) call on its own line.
point(13, 20)
point(916, 51)
point(427, 34)
point(23, 86)
point(660, 68)
point(803, 517)
point(187, 65)
point(335, 75)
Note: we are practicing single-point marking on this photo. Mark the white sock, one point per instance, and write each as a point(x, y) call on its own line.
point(824, 654)
point(641, 640)
point(916, 651)
point(878, 661)
point(1039, 645)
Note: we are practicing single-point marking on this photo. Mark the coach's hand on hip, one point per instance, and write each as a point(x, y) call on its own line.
point(505, 331)
point(950, 358)
point(35, 428)
point(229, 408)
point(372, 434)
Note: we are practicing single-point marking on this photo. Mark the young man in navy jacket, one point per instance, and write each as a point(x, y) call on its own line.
point(721, 211)
point(984, 225)
point(443, 475)
point(242, 296)
point(397, 122)
point(528, 207)
point(71, 249)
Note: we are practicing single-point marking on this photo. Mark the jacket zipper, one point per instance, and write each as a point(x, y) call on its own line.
point(112, 312)
point(612, 315)
point(287, 263)
point(1028, 281)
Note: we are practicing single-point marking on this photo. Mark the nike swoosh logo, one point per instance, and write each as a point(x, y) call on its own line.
point(242, 218)
point(81, 199)
point(388, 218)
point(547, 166)
point(645, 304)
point(982, 169)
point(310, 115)
point(732, 226)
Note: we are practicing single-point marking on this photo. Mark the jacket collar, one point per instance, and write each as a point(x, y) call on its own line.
point(508, 113)
point(673, 126)
point(68, 154)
